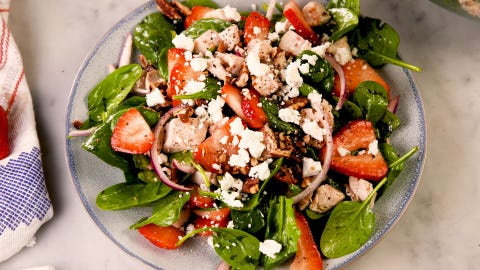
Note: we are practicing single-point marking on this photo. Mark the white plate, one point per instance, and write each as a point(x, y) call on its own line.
point(90, 175)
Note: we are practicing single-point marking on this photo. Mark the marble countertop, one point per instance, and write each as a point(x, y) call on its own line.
point(440, 229)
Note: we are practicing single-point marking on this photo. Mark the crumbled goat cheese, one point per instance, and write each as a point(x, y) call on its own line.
point(343, 151)
point(193, 87)
point(232, 14)
point(240, 159)
point(292, 76)
point(373, 148)
point(228, 182)
point(253, 141)
point(254, 65)
point(321, 49)
point(313, 129)
point(311, 167)
point(311, 59)
point(215, 109)
point(154, 98)
point(181, 41)
point(261, 171)
point(270, 248)
point(315, 98)
point(236, 126)
point(289, 115)
point(198, 64)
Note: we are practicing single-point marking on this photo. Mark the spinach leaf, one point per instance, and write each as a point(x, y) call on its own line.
point(98, 143)
point(238, 248)
point(387, 124)
point(153, 37)
point(125, 195)
point(395, 164)
point(205, 3)
point(282, 228)
point(166, 210)
point(372, 98)
point(377, 43)
point(250, 221)
point(320, 72)
point(254, 201)
point(345, 20)
point(271, 110)
point(112, 90)
point(201, 26)
point(211, 91)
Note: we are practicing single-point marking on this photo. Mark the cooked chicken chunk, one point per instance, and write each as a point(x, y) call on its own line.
point(325, 198)
point(193, 133)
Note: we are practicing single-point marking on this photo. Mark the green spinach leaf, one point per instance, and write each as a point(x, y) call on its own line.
point(353, 5)
point(203, 25)
point(166, 210)
point(111, 91)
point(238, 248)
point(124, 195)
point(377, 43)
point(211, 91)
point(345, 21)
point(372, 98)
point(250, 221)
point(271, 110)
point(282, 228)
point(153, 37)
point(204, 3)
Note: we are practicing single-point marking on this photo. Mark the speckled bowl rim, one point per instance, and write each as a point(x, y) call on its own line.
point(328, 264)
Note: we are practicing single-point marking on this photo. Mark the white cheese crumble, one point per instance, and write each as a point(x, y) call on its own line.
point(310, 167)
point(240, 159)
point(270, 248)
point(292, 75)
point(193, 87)
point(373, 147)
point(181, 41)
point(313, 129)
point(229, 182)
point(289, 115)
point(253, 141)
point(315, 98)
point(232, 14)
point(154, 98)
point(261, 171)
point(343, 151)
point(254, 65)
point(215, 109)
point(199, 64)
point(321, 49)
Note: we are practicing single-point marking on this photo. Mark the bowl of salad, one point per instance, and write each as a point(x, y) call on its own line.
point(244, 136)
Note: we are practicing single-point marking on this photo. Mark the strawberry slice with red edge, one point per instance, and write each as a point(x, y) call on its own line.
point(198, 12)
point(351, 154)
point(256, 26)
point(162, 237)
point(216, 149)
point(132, 134)
point(215, 218)
point(308, 257)
point(4, 146)
point(294, 15)
point(356, 72)
point(180, 73)
point(245, 105)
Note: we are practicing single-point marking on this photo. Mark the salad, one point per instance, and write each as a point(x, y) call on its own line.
point(265, 131)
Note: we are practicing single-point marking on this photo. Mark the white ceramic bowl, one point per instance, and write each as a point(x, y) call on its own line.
point(90, 175)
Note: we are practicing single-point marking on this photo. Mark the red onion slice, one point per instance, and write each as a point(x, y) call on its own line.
point(183, 167)
point(319, 178)
point(157, 147)
point(341, 75)
point(126, 54)
point(393, 104)
point(270, 8)
point(81, 133)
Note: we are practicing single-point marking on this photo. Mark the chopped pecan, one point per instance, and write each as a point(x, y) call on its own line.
point(296, 103)
point(168, 10)
point(250, 186)
point(181, 8)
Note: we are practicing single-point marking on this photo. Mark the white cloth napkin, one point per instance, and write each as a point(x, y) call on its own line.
point(24, 200)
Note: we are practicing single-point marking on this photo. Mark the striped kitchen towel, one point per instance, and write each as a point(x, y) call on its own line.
point(24, 200)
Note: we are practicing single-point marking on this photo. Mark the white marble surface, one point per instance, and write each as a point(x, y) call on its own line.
point(440, 229)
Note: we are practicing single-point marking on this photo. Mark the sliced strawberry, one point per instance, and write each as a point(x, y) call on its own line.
point(198, 12)
point(294, 15)
point(211, 218)
point(216, 149)
point(162, 237)
point(180, 72)
point(356, 137)
point(308, 257)
point(256, 26)
point(356, 72)
point(4, 148)
point(254, 115)
point(199, 201)
point(245, 105)
point(132, 134)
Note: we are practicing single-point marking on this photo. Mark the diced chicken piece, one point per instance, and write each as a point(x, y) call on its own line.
point(325, 198)
point(341, 51)
point(154, 80)
point(214, 65)
point(193, 133)
point(293, 43)
point(280, 61)
point(197, 178)
point(206, 42)
point(231, 62)
point(359, 189)
point(230, 37)
point(315, 14)
point(266, 84)
point(227, 13)
point(262, 48)
point(243, 76)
